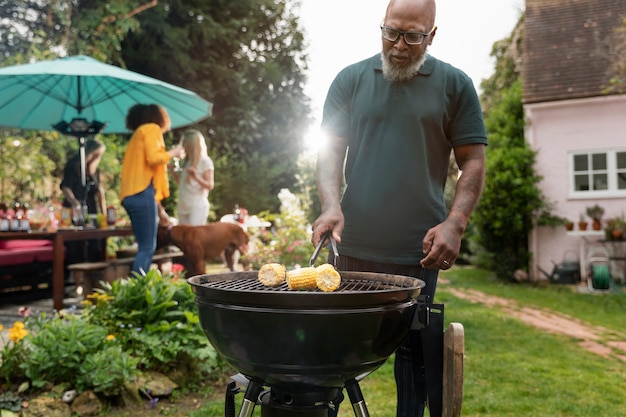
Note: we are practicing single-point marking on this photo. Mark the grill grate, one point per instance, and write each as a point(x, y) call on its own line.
point(347, 285)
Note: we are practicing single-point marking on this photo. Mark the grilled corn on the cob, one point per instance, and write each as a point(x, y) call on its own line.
point(302, 279)
point(328, 279)
point(272, 275)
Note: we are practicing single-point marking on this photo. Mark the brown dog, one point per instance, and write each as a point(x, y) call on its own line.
point(204, 243)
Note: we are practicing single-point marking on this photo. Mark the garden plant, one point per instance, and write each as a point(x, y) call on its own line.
point(131, 326)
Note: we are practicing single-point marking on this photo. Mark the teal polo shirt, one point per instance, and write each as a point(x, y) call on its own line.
point(400, 135)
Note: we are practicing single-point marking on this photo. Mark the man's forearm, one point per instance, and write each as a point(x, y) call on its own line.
point(330, 173)
point(469, 188)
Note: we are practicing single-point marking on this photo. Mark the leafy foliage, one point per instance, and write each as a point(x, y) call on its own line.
point(89, 27)
point(107, 370)
point(512, 200)
point(12, 354)
point(66, 349)
point(142, 323)
point(288, 242)
point(25, 166)
point(153, 316)
point(502, 223)
point(245, 57)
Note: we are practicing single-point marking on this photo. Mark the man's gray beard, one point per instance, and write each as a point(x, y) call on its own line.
point(396, 73)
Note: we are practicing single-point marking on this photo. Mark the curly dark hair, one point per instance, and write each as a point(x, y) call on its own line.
point(141, 114)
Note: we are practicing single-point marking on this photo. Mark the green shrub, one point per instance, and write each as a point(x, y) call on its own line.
point(107, 370)
point(154, 317)
point(143, 323)
point(13, 353)
point(135, 302)
point(66, 349)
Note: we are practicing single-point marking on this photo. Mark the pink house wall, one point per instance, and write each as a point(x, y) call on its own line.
point(554, 129)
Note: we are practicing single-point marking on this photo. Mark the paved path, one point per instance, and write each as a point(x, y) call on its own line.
point(596, 339)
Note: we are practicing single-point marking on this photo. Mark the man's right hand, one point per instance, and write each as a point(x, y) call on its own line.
point(328, 220)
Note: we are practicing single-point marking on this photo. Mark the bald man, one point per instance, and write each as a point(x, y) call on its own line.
point(392, 121)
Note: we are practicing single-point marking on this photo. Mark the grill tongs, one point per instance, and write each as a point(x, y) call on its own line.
point(324, 240)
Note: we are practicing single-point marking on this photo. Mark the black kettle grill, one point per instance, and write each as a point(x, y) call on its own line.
point(297, 350)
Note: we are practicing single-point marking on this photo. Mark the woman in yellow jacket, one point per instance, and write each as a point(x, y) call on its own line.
point(144, 181)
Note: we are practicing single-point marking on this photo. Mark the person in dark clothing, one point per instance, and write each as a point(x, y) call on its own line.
point(77, 196)
point(392, 121)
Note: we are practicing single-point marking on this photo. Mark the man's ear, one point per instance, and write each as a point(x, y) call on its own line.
point(432, 35)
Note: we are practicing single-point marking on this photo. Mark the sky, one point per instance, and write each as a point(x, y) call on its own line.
point(341, 32)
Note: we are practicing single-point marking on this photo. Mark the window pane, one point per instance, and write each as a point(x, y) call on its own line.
point(598, 161)
point(581, 182)
point(600, 182)
point(621, 181)
point(580, 163)
point(621, 160)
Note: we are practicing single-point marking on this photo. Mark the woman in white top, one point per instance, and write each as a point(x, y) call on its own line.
point(195, 180)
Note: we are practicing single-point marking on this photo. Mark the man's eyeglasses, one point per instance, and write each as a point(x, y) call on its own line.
point(411, 38)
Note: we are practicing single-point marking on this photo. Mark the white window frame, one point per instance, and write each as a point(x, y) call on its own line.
point(611, 171)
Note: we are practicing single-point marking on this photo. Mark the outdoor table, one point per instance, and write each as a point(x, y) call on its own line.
point(59, 237)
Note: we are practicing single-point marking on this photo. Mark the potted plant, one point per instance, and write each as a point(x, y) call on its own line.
point(617, 232)
point(582, 223)
point(610, 226)
point(596, 212)
point(569, 225)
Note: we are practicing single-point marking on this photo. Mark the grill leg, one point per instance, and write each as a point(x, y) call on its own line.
point(356, 398)
point(229, 401)
point(250, 398)
point(432, 348)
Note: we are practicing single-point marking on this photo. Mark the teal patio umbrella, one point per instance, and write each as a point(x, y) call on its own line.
point(81, 96)
point(38, 96)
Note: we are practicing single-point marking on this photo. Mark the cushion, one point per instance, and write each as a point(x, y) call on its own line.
point(24, 243)
point(45, 254)
point(26, 255)
point(8, 257)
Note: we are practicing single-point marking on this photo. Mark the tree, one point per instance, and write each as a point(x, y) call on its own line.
point(43, 29)
point(511, 200)
point(244, 56)
point(33, 30)
point(247, 58)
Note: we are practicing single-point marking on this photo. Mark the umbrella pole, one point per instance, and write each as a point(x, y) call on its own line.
point(83, 180)
point(79, 128)
point(83, 170)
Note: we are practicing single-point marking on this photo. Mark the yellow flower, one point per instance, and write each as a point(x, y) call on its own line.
point(111, 337)
point(100, 297)
point(17, 332)
point(1, 327)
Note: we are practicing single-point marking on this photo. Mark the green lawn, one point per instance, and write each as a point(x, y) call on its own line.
point(513, 369)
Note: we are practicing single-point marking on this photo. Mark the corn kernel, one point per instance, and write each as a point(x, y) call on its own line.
point(272, 275)
point(328, 279)
point(302, 279)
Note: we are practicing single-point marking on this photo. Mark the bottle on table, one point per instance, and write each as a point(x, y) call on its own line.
point(25, 219)
point(4, 220)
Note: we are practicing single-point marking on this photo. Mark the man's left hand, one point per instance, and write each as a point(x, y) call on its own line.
point(442, 245)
